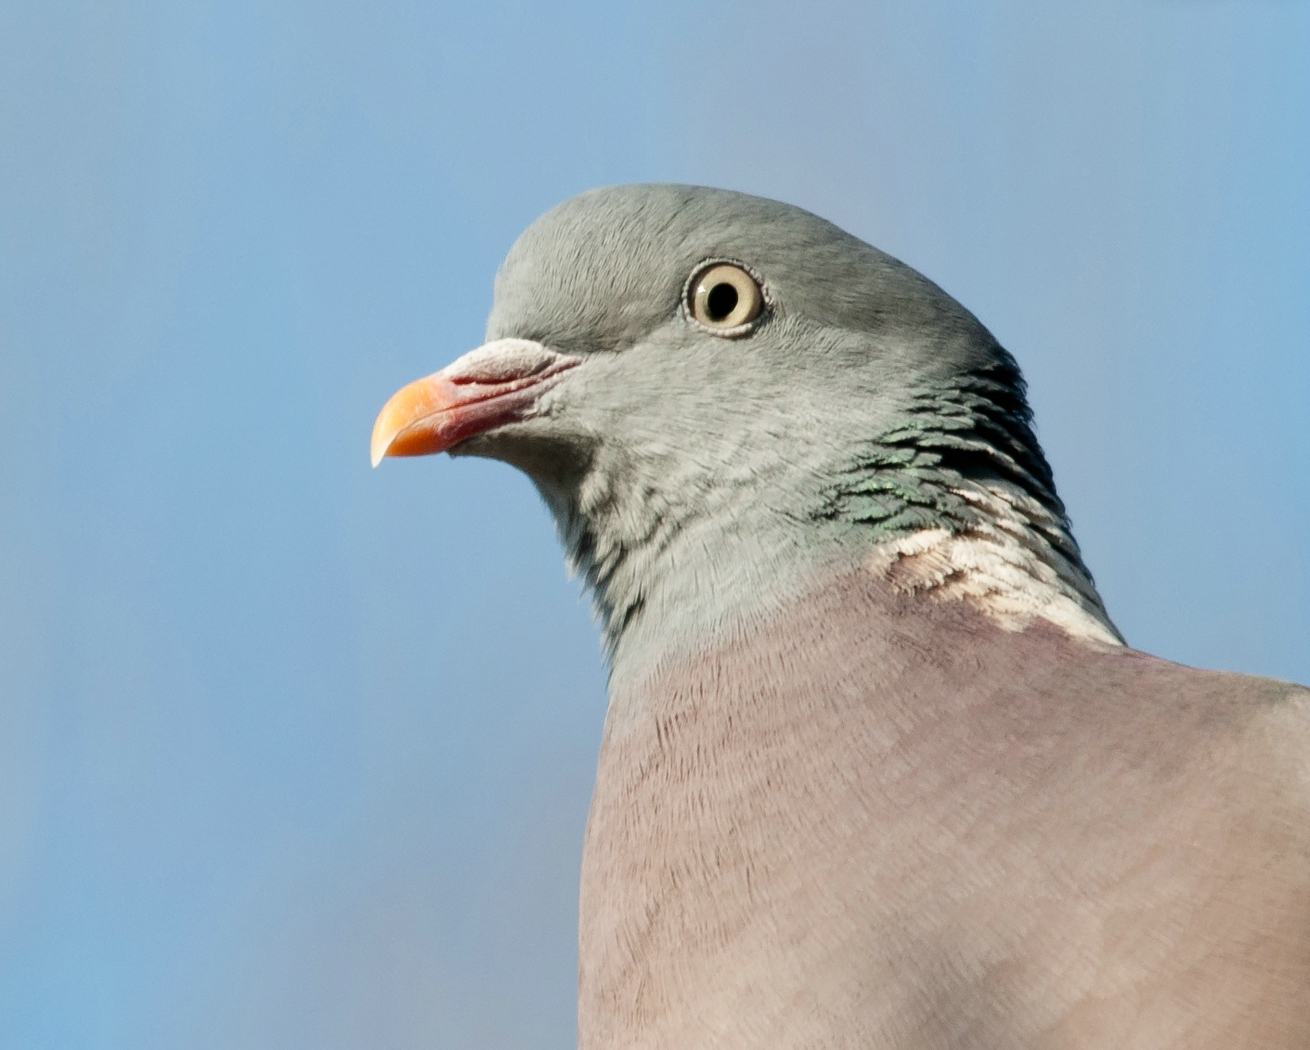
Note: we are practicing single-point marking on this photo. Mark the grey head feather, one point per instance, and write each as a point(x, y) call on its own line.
point(698, 481)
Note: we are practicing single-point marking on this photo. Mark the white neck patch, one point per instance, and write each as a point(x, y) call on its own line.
point(1003, 566)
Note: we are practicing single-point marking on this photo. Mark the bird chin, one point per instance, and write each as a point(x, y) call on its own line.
point(535, 446)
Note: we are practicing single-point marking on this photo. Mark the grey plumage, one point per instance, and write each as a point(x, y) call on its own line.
point(877, 771)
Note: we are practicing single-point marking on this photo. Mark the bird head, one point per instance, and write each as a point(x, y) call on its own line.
point(718, 394)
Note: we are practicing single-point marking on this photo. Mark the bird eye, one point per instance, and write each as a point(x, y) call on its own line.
point(724, 298)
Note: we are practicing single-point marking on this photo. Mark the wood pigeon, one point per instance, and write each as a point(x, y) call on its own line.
point(878, 770)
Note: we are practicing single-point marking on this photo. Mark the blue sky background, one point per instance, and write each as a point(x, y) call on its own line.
point(297, 754)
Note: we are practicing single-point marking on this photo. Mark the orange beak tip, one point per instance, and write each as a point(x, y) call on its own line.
point(407, 408)
point(381, 443)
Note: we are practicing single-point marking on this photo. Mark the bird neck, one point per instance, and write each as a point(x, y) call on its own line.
point(675, 558)
point(959, 503)
point(954, 503)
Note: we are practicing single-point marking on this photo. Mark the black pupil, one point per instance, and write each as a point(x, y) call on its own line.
point(721, 301)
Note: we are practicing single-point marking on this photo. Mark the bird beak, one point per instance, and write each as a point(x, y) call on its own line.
point(497, 383)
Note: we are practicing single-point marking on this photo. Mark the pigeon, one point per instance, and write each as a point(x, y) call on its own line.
point(878, 770)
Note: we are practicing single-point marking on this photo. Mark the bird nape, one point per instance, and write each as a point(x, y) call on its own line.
point(878, 770)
